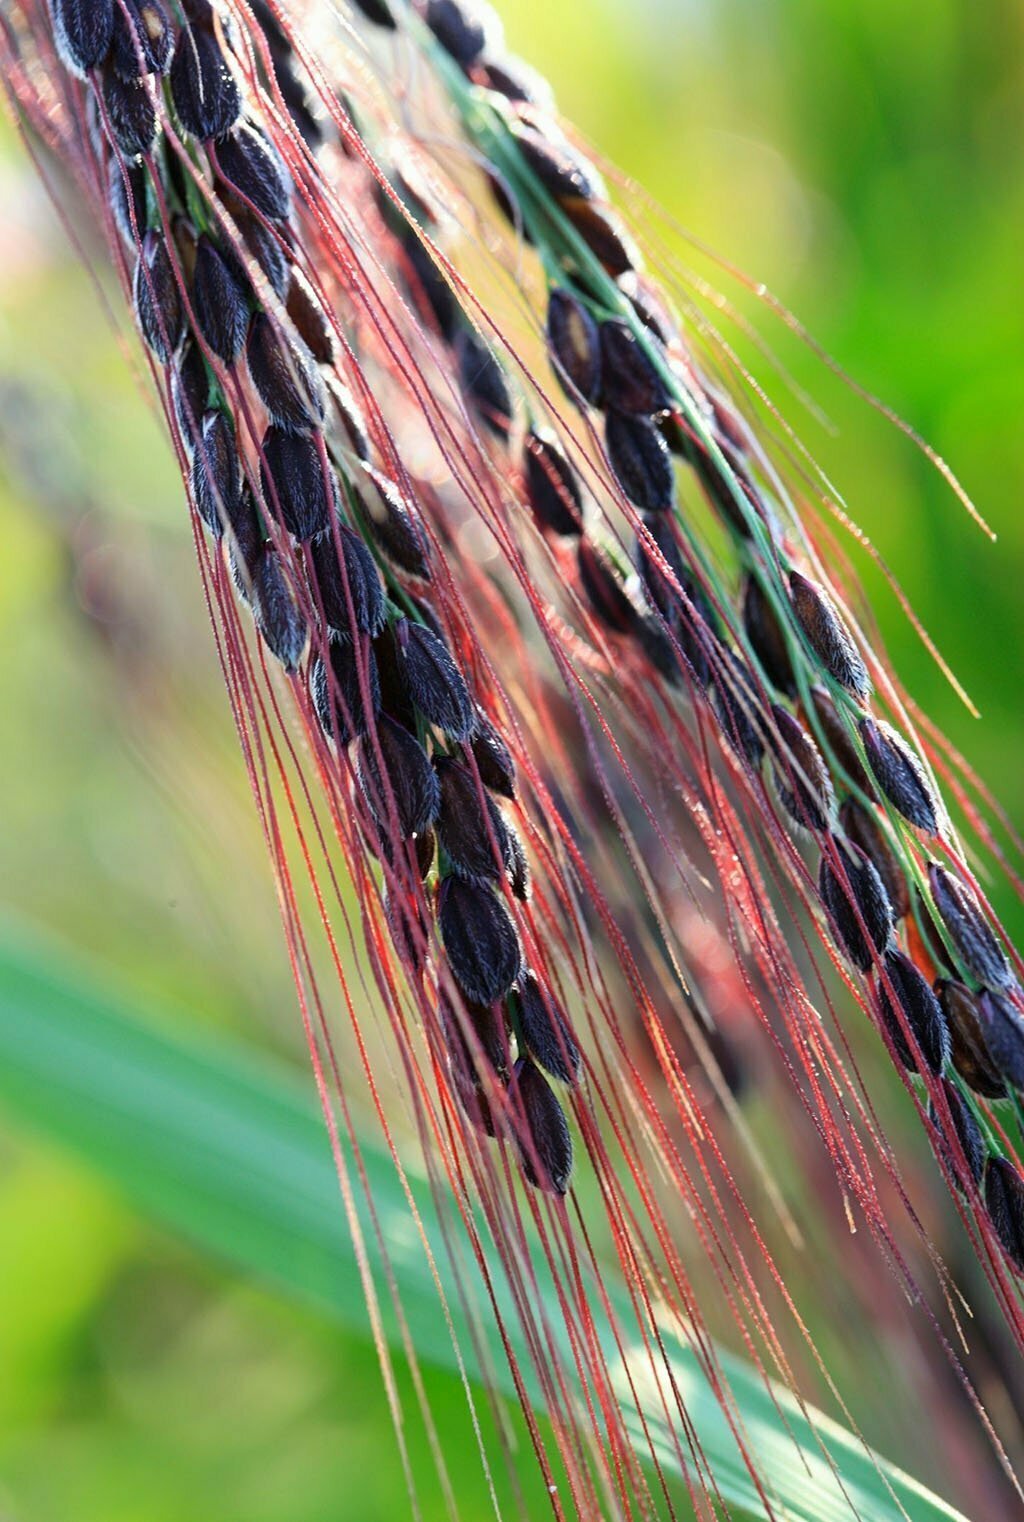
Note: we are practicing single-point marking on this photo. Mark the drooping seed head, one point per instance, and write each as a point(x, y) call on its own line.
point(641, 461)
point(158, 308)
point(575, 346)
point(470, 827)
point(1004, 1201)
point(968, 1051)
point(337, 690)
point(856, 903)
point(480, 940)
point(968, 928)
point(865, 831)
point(349, 585)
point(766, 636)
point(483, 381)
point(828, 635)
point(216, 478)
point(546, 1148)
point(203, 88)
point(552, 488)
point(899, 774)
point(543, 1031)
point(285, 375)
point(632, 382)
point(407, 785)
point(220, 300)
point(298, 489)
point(278, 617)
point(968, 1135)
point(1002, 1026)
point(921, 1010)
point(801, 779)
point(247, 163)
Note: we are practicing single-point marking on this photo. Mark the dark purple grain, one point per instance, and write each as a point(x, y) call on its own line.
point(546, 1148)
point(480, 940)
point(406, 792)
point(899, 774)
point(854, 898)
point(921, 1009)
point(828, 635)
point(968, 929)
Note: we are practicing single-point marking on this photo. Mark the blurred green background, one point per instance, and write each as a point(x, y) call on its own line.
point(864, 160)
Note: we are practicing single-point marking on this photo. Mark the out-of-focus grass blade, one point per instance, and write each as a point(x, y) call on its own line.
point(233, 1153)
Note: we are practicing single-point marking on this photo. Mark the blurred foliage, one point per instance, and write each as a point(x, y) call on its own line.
point(865, 161)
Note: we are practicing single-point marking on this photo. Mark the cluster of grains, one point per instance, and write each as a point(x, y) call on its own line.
point(323, 547)
point(788, 684)
point(301, 476)
point(964, 1028)
point(545, 478)
point(330, 556)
